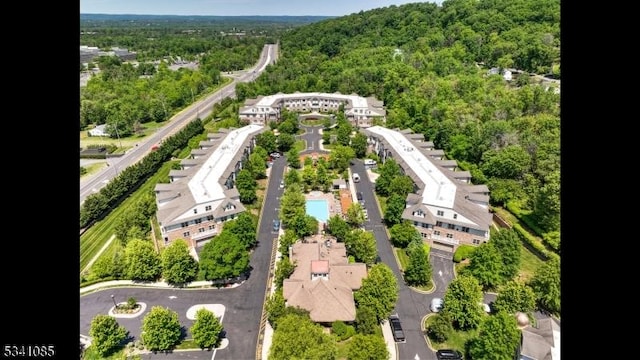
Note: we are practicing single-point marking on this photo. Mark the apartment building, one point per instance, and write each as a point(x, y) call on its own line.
point(359, 111)
point(202, 195)
point(446, 208)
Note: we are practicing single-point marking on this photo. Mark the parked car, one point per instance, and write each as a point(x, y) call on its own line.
point(281, 184)
point(275, 155)
point(396, 328)
point(436, 304)
point(359, 197)
point(448, 354)
point(276, 225)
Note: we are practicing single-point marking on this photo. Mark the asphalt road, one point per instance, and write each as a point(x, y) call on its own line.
point(201, 108)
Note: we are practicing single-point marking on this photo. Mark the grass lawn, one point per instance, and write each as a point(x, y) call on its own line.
point(90, 354)
point(529, 263)
point(402, 257)
point(343, 349)
point(93, 168)
point(98, 234)
point(127, 142)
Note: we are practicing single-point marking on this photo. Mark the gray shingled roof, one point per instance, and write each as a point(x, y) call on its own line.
point(413, 199)
point(428, 218)
point(464, 192)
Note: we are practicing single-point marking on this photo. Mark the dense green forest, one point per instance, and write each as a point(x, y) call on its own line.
point(428, 63)
point(125, 95)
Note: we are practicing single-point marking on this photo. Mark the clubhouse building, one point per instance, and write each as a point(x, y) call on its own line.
point(201, 196)
point(359, 111)
point(446, 208)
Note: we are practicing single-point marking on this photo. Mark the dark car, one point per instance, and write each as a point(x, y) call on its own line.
point(396, 328)
point(448, 354)
point(359, 196)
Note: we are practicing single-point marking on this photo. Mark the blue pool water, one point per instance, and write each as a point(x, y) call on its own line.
point(319, 209)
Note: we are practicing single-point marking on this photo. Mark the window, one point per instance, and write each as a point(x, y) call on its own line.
point(439, 223)
point(207, 208)
point(184, 224)
point(209, 217)
point(186, 234)
point(455, 216)
point(212, 227)
point(451, 226)
point(195, 211)
point(436, 232)
point(201, 230)
point(476, 241)
point(465, 229)
point(198, 221)
point(440, 213)
point(424, 235)
point(449, 236)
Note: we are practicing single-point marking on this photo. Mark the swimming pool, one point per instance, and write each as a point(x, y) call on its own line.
point(319, 209)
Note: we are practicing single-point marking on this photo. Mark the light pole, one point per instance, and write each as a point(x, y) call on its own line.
point(114, 301)
point(118, 134)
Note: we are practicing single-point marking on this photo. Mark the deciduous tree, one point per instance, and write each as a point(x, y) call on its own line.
point(498, 338)
point(106, 334)
point(546, 285)
point(223, 257)
point(367, 347)
point(206, 329)
point(160, 329)
point(515, 296)
point(379, 291)
point(178, 266)
point(297, 337)
point(142, 261)
point(461, 301)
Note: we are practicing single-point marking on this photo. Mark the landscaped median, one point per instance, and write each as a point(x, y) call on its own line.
point(160, 284)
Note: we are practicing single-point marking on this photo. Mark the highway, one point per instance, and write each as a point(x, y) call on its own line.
point(201, 108)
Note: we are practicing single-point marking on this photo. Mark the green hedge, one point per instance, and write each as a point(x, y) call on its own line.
point(533, 243)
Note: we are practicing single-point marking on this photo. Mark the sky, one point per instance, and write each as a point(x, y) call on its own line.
point(237, 7)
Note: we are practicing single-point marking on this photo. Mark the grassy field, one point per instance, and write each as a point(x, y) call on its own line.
point(126, 142)
point(93, 168)
point(98, 234)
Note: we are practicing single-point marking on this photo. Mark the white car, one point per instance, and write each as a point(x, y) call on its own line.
point(436, 304)
point(275, 155)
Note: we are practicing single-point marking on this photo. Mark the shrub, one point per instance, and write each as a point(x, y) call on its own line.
point(342, 331)
point(463, 252)
point(440, 329)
